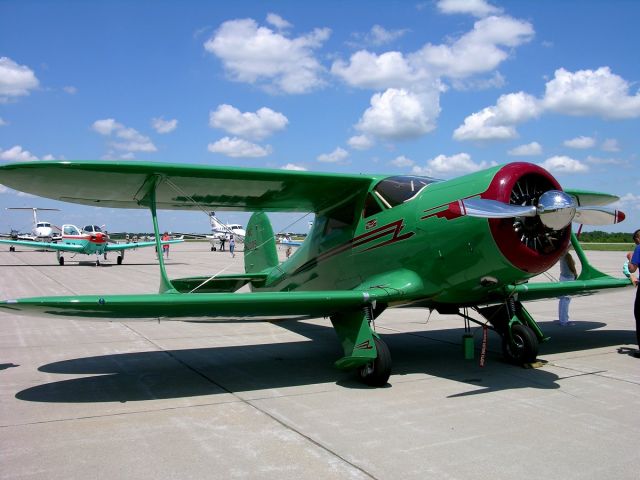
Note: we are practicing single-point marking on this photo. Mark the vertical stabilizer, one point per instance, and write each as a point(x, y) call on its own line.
point(260, 251)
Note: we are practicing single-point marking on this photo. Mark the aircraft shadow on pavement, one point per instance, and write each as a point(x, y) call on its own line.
point(167, 374)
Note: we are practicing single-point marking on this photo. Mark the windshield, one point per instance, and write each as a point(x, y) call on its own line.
point(396, 190)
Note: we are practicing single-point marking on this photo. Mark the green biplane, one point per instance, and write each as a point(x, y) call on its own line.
point(377, 241)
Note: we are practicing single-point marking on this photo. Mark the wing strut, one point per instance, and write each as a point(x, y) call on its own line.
point(150, 197)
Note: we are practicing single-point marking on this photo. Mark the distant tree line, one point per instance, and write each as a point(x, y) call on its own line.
point(598, 236)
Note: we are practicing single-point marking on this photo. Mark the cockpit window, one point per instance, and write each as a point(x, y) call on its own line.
point(70, 230)
point(396, 190)
point(96, 228)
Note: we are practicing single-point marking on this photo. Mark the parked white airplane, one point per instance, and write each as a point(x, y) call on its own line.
point(224, 231)
point(40, 231)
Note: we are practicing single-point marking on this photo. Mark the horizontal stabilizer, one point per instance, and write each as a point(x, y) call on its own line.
point(218, 283)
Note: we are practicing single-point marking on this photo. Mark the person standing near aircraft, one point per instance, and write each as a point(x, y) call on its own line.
point(165, 247)
point(625, 269)
point(567, 273)
point(223, 239)
point(232, 246)
point(633, 267)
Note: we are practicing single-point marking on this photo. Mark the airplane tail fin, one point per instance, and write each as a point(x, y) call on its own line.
point(260, 251)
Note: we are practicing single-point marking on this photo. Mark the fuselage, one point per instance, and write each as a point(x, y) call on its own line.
point(91, 238)
point(410, 231)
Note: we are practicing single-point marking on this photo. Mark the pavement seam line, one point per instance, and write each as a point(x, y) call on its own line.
point(254, 406)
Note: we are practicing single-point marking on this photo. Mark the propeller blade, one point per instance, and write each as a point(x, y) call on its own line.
point(598, 216)
point(485, 208)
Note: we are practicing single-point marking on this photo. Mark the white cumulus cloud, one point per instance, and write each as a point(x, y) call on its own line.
point(580, 143)
point(238, 148)
point(402, 161)
point(479, 51)
point(448, 166)
point(583, 93)
point(124, 138)
point(16, 154)
point(15, 80)
point(399, 114)
point(257, 126)
point(610, 145)
point(591, 93)
point(529, 149)
point(498, 121)
point(360, 142)
point(477, 8)
point(564, 164)
point(277, 21)
point(259, 55)
point(293, 166)
point(161, 125)
point(337, 156)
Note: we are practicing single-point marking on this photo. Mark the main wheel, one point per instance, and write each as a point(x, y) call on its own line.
point(524, 348)
point(119, 260)
point(12, 249)
point(97, 262)
point(61, 260)
point(377, 372)
point(213, 249)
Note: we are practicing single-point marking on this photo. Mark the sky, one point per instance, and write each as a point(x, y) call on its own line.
point(438, 87)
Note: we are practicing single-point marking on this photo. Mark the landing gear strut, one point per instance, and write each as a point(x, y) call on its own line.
point(519, 331)
point(363, 349)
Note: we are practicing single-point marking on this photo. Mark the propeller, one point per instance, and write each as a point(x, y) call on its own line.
point(555, 209)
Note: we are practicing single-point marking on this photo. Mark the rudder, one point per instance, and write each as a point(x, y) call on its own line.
point(260, 251)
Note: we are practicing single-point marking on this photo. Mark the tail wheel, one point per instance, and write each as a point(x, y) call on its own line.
point(377, 372)
point(523, 348)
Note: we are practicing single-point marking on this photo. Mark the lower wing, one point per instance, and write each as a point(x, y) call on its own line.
point(176, 305)
point(542, 290)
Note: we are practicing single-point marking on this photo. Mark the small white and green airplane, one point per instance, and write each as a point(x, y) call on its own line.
point(91, 240)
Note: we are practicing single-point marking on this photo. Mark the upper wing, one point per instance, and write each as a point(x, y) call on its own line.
point(592, 199)
point(63, 247)
point(125, 185)
point(127, 246)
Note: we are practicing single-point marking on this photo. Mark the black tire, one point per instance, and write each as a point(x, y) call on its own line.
point(524, 348)
point(61, 260)
point(97, 262)
point(213, 249)
point(377, 372)
point(12, 249)
point(119, 260)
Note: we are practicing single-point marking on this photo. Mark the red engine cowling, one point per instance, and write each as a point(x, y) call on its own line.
point(526, 242)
